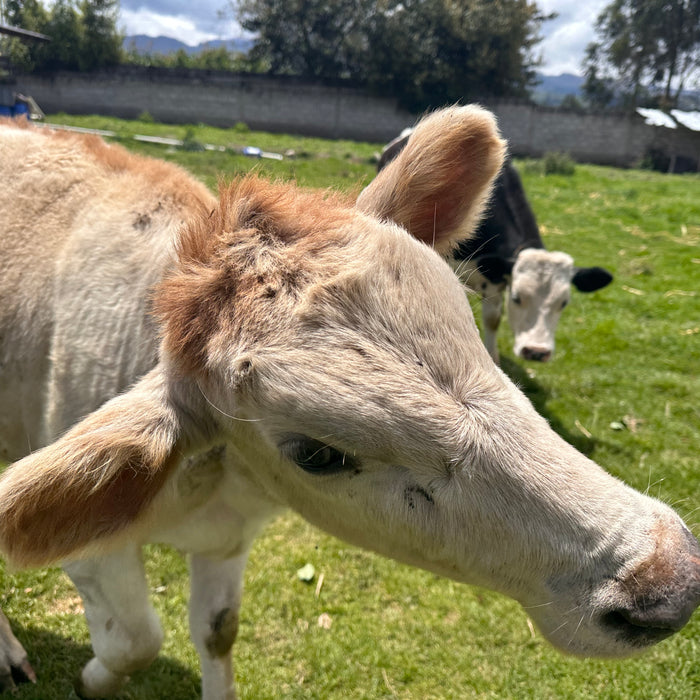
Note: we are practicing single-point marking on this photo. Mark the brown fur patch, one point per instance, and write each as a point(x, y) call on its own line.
point(88, 485)
point(264, 242)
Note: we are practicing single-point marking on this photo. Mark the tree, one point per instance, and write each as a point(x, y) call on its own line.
point(424, 52)
point(102, 44)
point(83, 36)
point(30, 15)
point(64, 22)
point(311, 38)
point(646, 50)
point(442, 51)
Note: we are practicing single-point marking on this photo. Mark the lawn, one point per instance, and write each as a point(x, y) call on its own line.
point(623, 388)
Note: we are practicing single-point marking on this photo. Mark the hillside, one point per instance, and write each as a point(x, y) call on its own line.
point(143, 44)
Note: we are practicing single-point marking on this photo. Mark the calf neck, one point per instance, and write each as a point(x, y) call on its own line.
point(301, 351)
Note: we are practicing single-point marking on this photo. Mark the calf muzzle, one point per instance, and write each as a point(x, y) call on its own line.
point(663, 593)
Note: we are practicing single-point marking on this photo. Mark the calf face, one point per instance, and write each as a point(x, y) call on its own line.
point(337, 360)
point(537, 293)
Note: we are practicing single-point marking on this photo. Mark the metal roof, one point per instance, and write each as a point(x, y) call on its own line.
point(690, 120)
point(22, 33)
point(655, 117)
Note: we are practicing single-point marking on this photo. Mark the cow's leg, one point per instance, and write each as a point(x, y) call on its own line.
point(217, 586)
point(125, 631)
point(491, 312)
point(14, 665)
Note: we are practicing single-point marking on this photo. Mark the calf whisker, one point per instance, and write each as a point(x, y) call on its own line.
point(539, 605)
point(464, 262)
point(556, 629)
point(223, 413)
point(580, 622)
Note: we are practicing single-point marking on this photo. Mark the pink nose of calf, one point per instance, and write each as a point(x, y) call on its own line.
point(538, 354)
point(663, 592)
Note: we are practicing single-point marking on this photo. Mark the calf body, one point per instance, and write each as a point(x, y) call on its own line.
point(506, 255)
point(409, 441)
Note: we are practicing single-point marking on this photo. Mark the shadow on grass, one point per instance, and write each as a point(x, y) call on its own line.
point(57, 661)
point(539, 397)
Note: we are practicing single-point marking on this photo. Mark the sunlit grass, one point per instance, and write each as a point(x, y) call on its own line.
point(623, 388)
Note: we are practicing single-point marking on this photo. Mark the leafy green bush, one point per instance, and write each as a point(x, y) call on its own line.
point(189, 142)
point(556, 163)
point(147, 118)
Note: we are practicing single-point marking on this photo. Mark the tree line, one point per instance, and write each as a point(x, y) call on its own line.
point(645, 54)
point(83, 34)
point(424, 53)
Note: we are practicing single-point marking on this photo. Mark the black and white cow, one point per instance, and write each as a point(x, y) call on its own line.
point(507, 253)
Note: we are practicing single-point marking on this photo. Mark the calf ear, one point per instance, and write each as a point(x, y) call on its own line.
point(590, 279)
point(495, 267)
point(93, 482)
point(438, 185)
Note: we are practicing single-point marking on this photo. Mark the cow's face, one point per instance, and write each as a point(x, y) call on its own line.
point(351, 385)
point(539, 290)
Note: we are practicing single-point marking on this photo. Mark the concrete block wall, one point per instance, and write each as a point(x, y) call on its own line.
point(294, 106)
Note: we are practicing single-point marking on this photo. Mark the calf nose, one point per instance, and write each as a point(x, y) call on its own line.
point(538, 354)
point(663, 593)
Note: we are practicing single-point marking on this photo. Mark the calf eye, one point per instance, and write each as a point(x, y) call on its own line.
point(516, 299)
point(315, 457)
point(564, 304)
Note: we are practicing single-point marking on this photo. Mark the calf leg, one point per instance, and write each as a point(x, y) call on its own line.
point(14, 665)
point(217, 586)
point(491, 312)
point(125, 631)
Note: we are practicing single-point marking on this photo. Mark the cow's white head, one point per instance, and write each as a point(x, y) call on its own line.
point(539, 290)
point(350, 384)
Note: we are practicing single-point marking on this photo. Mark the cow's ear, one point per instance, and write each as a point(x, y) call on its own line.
point(438, 185)
point(94, 482)
point(495, 268)
point(590, 279)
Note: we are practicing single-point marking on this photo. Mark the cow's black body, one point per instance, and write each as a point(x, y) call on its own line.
point(488, 262)
point(508, 226)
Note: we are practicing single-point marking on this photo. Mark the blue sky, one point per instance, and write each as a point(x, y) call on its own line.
point(194, 21)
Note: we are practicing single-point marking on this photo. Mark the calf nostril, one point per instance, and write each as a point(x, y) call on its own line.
point(536, 354)
point(646, 621)
point(665, 615)
point(660, 595)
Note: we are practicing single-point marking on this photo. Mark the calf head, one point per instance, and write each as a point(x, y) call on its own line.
point(539, 284)
point(338, 359)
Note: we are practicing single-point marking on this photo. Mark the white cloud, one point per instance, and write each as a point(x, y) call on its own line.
point(192, 28)
point(143, 21)
point(566, 37)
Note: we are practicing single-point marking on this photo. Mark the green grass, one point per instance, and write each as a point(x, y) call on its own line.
point(627, 356)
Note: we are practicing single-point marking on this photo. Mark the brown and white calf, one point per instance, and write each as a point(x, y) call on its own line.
point(284, 348)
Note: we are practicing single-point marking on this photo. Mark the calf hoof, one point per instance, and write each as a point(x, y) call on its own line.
point(97, 681)
point(14, 665)
point(11, 676)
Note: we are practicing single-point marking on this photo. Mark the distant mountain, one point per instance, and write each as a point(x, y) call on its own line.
point(144, 44)
point(552, 89)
